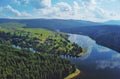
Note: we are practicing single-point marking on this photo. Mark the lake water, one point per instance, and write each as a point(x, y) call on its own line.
point(99, 62)
point(18, 47)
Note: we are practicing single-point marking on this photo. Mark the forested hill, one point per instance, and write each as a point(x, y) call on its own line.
point(31, 53)
point(24, 64)
point(41, 40)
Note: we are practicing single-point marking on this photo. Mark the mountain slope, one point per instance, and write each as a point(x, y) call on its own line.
point(112, 22)
point(23, 64)
point(51, 23)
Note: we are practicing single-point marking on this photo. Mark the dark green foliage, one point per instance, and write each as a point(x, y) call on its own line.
point(23, 64)
point(54, 43)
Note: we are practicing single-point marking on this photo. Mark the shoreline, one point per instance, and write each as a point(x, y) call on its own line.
point(74, 74)
point(82, 53)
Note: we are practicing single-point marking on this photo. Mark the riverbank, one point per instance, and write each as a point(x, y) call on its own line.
point(81, 53)
point(73, 75)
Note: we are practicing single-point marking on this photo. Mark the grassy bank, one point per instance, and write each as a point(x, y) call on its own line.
point(73, 75)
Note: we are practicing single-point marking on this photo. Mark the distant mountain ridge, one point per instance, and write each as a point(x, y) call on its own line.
point(51, 23)
point(113, 22)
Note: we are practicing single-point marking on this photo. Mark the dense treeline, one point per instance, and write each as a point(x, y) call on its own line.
point(24, 64)
point(52, 44)
point(12, 25)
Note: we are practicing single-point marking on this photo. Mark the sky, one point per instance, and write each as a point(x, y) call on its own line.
point(91, 10)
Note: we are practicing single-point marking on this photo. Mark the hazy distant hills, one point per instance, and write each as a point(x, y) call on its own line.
point(113, 22)
point(51, 23)
point(107, 33)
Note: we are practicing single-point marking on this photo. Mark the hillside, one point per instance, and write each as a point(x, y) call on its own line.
point(33, 53)
point(24, 64)
point(40, 40)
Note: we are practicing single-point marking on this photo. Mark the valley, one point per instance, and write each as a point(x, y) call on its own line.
point(59, 39)
point(78, 51)
point(103, 33)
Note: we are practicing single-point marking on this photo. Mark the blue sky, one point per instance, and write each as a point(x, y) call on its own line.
point(92, 10)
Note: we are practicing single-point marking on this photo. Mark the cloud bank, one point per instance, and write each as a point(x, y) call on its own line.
point(93, 10)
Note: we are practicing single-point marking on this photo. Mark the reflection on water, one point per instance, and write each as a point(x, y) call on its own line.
point(83, 41)
point(99, 62)
point(18, 47)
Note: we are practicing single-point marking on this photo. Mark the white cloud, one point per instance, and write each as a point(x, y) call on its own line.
point(10, 9)
point(63, 10)
point(76, 8)
point(25, 14)
point(14, 12)
point(89, 4)
point(92, 10)
point(21, 2)
point(60, 10)
point(46, 3)
point(109, 1)
point(64, 6)
point(38, 4)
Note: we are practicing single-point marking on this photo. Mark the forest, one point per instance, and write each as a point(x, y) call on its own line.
point(43, 61)
point(24, 64)
point(41, 40)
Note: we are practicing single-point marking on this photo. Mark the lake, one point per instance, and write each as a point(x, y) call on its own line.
point(99, 62)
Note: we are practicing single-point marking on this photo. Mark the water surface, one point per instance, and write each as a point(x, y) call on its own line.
point(99, 62)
